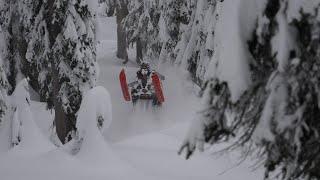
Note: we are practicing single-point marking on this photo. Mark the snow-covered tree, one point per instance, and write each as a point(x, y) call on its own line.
point(139, 21)
point(276, 108)
point(57, 51)
point(154, 26)
point(17, 20)
point(95, 116)
point(3, 92)
point(291, 110)
point(25, 135)
point(179, 32)
point(173, 16)
point(132, 29)
point(73, 60)
point(119, 8)
point(196, 46)
point(10, 28)
point(20, 104)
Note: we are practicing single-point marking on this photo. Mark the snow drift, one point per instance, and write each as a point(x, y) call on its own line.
point(20, 130)
point(95, 116)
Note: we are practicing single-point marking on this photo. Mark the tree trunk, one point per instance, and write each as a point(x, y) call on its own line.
point(139, 55)
point(121, 13)
point(63, 124)
point(61, 120)
point(14, 21)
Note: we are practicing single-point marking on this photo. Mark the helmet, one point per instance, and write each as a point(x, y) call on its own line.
point(144, 65)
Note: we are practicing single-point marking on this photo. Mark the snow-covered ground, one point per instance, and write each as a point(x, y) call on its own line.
point(138, 145)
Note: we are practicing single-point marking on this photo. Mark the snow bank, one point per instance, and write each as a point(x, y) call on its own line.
point(24, 131)
point(95, 114)
point(94, 117)
point(5, 143)
point(96, 103)
point(156, 153)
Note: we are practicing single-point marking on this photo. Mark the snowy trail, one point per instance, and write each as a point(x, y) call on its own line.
point(150, 141)
point(129, 122)
point(178, 107)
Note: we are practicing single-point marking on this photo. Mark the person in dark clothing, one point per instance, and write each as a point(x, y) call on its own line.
point(143, 88)
point(144, 73)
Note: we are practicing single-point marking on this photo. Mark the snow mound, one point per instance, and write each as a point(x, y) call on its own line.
point(25, 133)
point(93, 118)
point(95, 113)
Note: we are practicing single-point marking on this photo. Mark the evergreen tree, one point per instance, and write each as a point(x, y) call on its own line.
point(141, 27)
point(119, 8)
point(179, 32)
point(74, 62)
point(279, 109)
point(172, 16)
point(135, 9)
point(58, 52)
point(72, 59)
point(155, 28)
point(196, 46)
point(10, 27)
point(4, 102)
point(3, 92)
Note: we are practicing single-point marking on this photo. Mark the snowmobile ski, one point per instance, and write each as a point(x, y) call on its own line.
point(124, 85)
point(157, 87)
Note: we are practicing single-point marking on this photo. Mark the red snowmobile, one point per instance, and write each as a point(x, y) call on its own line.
point(146, 87)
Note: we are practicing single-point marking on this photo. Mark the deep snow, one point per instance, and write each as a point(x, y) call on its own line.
point(138, 144)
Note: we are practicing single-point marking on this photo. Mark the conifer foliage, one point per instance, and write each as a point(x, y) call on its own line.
point(279, 110)
point(74, 55)
point(3, 92)
point(56, 47)
point(179, 32)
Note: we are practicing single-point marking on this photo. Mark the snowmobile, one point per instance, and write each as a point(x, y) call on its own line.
point(147, 86)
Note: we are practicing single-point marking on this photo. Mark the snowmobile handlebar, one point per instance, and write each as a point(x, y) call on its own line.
point(162, 77)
